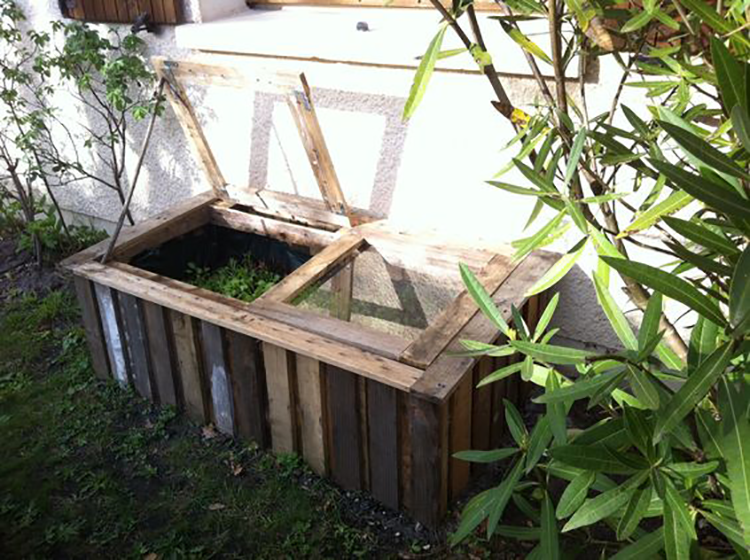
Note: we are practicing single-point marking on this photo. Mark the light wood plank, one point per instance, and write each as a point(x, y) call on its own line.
point(440, 332)
point(312, 409)
point(92, 327)
point(239, 316)
point(215, 366)
point(183, 331)
point(280, 381)
point(135, 339)
point(481, 5)
point(112, 335)
point(159, 345)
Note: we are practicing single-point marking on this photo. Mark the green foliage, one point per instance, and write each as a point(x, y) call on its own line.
point(667, 449)
point(242, 279)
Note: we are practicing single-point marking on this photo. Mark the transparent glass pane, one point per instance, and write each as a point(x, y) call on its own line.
point(386, 294)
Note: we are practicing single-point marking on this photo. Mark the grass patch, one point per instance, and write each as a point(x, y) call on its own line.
point(92, 470)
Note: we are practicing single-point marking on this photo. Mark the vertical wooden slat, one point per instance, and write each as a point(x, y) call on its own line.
point(311, 413)
point(346, 460)
point(460, 434)
point(249, 384)
point(429, 457)
point(215, 366)
point(404, 450)
point(111, 328)
point(171, 11)
point(188, 365)
point(363, 422)
point(157, 11)
point(497, 430)
point(92, 327)
point(382, 409)
point(159, 347)
point(481, 406)
point(135, 338)
point(109, 11)
point(280, 383)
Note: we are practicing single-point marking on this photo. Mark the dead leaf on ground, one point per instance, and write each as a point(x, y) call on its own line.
point(209, 432)
point(216, 507)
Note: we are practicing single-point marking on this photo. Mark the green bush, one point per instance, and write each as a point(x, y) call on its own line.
point(666, 463)
point(240, 278)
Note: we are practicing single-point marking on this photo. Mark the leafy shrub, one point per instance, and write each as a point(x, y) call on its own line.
point(666, 464)
point(240, 278)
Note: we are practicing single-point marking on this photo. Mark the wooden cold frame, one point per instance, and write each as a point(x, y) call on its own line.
point(371, 410)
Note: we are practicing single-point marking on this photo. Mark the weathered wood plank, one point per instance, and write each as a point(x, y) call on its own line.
point(111, 328)
point(404, 449)
point(239, 316)
point(135, 339)
point(444, 374)
point(383, 426)
point(429, 451)
point(249, 383)
point(188, 363)
point(312, 407)
point(280, 381)
point(482, 5)
point(92, 327)
point(215, 366)
point(346, 460)
point(293, 234)
point(159, 345)
point(437, 335)
point(481, 406)
point(498, 428)
point(460, 434)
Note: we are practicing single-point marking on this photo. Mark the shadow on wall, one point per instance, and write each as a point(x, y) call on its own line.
point(391, 144)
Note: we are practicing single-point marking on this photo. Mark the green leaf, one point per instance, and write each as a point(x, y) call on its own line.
point(670, 285)
point(550, 544)
point(650, 323)
point(739, 294)
point(700, 234)
point(551, 354)
point(694, 470)
point(731, 76)
point(502, 495)
point(708, 15)
point(516, 189)
point(702, 341)
point(695, 388)
point(482, 299)
point(578, 390)
point(603, 505)
point(556, 412)
point(741, 125)
point(615, 315)
point(575, 494)
point(515, 424)
point(538, 238)
point(676, 541)
point(525, 43)
point(575, 156)
point(680, 510)
point(519, 533)
point(502, 373)
point(712, 194)
point(704, 151)
point(674, 202)
point(728, 527)
point(558, 270)
point(449, 53)
point(636, 122)
point(540, 438)
point(424, 73)
point(643, 388)
point(592, 457)
point(473, 514)
point(736, 446)
point(635, 23)
point(486, 456)
point(546, 317)
point(634, 513)
point(645, 547)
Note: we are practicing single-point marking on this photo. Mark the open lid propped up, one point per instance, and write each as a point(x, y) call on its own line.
point(295, 90)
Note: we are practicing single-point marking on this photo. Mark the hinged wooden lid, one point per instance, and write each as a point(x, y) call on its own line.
point(297, 93)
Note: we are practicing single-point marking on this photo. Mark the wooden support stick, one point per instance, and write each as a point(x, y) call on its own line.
point(141, 157)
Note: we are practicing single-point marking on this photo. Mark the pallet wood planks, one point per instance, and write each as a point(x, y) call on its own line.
point(135, 339)
point(92, 327)
point(343, 413)
point(249, 386)
point(280, 380)
point(312, 413)
point(183, 330)
point(158, 331)
point(383, 428)
point(111, 326)
point(217, 376)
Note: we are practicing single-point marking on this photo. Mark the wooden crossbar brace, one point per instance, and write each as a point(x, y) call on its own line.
point(299, 100)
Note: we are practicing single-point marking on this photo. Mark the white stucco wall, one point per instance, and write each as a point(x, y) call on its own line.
point(427, 174)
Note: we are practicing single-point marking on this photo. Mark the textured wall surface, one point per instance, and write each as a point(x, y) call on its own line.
point(427, 174)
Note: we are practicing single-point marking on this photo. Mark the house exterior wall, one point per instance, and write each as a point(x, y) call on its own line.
point(428, 174)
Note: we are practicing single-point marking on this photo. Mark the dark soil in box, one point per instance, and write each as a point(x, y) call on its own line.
point(233, 263)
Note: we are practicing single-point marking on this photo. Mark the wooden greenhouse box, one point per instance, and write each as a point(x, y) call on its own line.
point(348, 360)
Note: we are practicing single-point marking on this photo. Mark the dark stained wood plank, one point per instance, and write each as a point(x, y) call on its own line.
point(135, 339)
point(346, 460)
point(156, 11)
point(460, 434)
point(92, 327)
point(217, 377)
point(160, 352)
point(172, 11)
point(404, 450)
point(249, 385)
point(382, 410)
point(498, 428)
point(481, 409)
point(111, 326)
point(428, 458)
point(188, 363)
